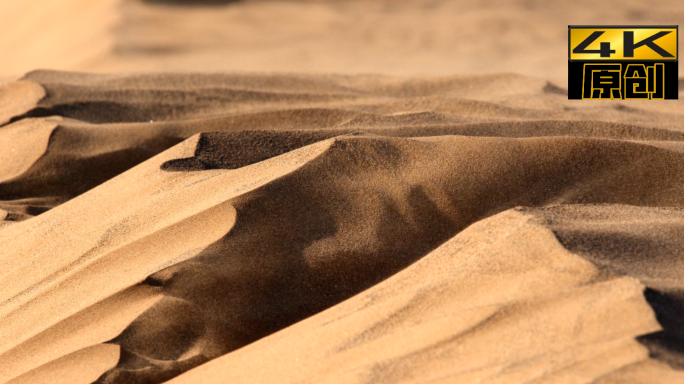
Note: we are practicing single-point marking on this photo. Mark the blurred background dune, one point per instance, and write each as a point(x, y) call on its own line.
point(412, 37)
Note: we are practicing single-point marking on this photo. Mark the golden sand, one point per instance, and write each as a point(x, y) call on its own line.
point(233, 212)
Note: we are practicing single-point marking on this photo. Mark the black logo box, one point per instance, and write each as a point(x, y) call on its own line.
point(576, 68)
point(576, 72)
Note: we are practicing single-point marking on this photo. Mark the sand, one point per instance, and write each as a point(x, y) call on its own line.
point(392, 37)
point(222, 207)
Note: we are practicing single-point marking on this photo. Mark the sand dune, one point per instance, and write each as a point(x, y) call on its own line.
point(119, 121)
point(501, 302)
point(407, 37)
point(315, 191)
point(303, 228)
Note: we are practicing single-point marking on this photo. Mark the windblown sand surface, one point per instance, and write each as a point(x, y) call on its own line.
point(272, 227)
point(153, 223)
